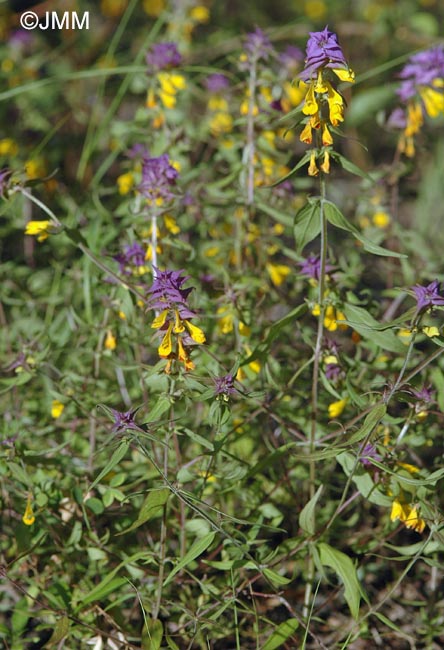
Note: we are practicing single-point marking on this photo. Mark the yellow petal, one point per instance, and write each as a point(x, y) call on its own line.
point(335, 408)
point(195, 332)
point(57, 409)
point(178, 324)
point(344, 74)
point(110, 341)
point(159, 321)
point(28, 517)
point(166, 347)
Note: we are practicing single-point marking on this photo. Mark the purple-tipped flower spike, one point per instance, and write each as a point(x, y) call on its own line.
point(163, 55)
point(131, 259)
point(224, 386)
point(216, 83)
point(428, 297)
point(257, 44)
point(323, 51)
point(425, 394)
point(158, 176)
point(124, 420)
point(167, 293)
point(422, 69)
point(312, 266)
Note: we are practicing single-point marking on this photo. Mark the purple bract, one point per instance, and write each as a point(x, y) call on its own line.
point(158, 176)
point(167, 293)
point(323, 51)
point(163, 55)
point(312, 266)
point(421, 70)
point(428, 296)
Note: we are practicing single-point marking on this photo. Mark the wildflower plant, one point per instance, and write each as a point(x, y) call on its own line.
point(222, 380)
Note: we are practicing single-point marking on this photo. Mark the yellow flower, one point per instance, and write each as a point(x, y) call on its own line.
point(166, 346)
point(226, 323)
point(195, 332)
point(221, 123)
point(414, 521)
point(336, 105)
point(39, 229)
point(57, 409)
point(335, 408)
point(171, 224)
point(405, 335)
point(110, 341)
point(217, 103)
point(200, 14)
point(278, 273)
point(325, 166)
point(125, 182)
point(430, 331)
point(8, 147)
point(410, 468)
point(381, 219)
point(312, 168)
point(153, 7)
point(159, 321)
point(35, 168)
point(433, 101)
point(399, 511)
point(28, 517)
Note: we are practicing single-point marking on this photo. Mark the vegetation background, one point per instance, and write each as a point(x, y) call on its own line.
point(251, 489)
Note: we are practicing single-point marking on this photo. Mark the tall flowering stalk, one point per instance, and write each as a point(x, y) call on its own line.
point(170, 300)
point(325, 67)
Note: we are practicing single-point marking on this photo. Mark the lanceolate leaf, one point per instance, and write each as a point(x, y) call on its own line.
point(336, 218)
point(307, 224)
point(360, 320)
point(346, 571)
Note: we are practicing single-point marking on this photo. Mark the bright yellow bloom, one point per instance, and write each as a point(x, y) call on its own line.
point(431, 331)
point(278, 273)
point(335, 408)
point(217, 103)
point(311, 106)
point(110, 341)
point(312, 168)
point(325, 166)
point(433, 101)
point(159, 321)
point(405, 335)
point(28, 517)
point(125, 182)
point(195, 332)
point(331, 319)
point(57, 409)
point(408, 515)
point(170, 83)
point(336, 105)
point(200, 14)
point(39, 229)
point(410, 468)
point(178, 324)
point(381, 219)
point(221, 123)
point(327, 139)
point(166, 346)
point(171, 224)
point(35, 168)
point(8, 147)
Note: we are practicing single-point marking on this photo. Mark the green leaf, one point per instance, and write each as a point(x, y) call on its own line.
point(152, 634)
point(307, 514)
point(279, 216)
point(20, 474)
point(372, 419)
point(197, 549)
point(351, 167)
point(281, 634)
point(275, 578)
point(437, 377)
point(114, 460)
point(364, 323)
point(336, 218)
point(346, 571)
point(303, 161)
point(307, 224)
point(61, 630)
point(151, 508)
point(363, 480)
point(104, 588)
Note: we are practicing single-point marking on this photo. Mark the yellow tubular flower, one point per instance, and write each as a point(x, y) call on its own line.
point(414, 521)
point(110, 341)
point(166, 347)
point(433, 101)
point(57, 409)
point(28, 517)
point(336, 105)
point(312, 168)
point(40, 229)
point(278, 273)
point(159, 321)
point(178, 325)
point(125, 183)
point(195, 332)
point(310, 105)
point(306, 134)
point(325, 166)
point(335, 408)
point(327, 139)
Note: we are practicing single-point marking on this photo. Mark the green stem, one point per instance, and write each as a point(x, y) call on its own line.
point(314, 386)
